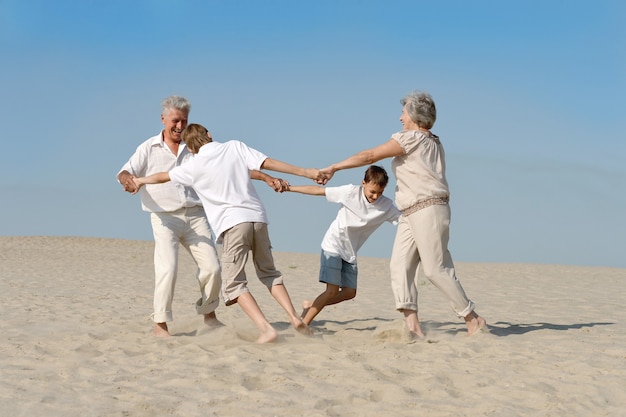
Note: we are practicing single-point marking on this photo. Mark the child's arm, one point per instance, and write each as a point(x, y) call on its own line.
point(278, 184)
point(307, 189)
point(285, 168)
point(158, 178)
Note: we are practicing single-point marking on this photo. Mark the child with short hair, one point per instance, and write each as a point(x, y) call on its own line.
point(363, 209)
point(220, 173)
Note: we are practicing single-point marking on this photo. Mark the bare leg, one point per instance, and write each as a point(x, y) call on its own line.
point(280, 294)
point(160, 330)
point(343, 295)
point(413, 324)
point(211, 320)
point(306, 304)
point(249, 305)
point(474, 323)
point(322, 300)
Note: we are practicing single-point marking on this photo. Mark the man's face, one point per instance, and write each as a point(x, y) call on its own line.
point(175, 121)
point(372, 191)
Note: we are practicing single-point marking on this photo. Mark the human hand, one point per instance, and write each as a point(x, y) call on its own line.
point(316, 175)
point(284, 185)
point(138, 184)
point(278, 184)
point(127, 181)
point(325, 175)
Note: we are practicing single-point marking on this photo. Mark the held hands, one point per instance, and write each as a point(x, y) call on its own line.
point(278, 184)
point(128, 182)
point(138, 184)
point(320, 176)
point(325, 175)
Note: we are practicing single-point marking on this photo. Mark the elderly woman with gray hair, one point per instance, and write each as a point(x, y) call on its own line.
point(422, 195)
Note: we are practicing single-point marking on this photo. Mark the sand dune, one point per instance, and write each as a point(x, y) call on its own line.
point(77, 342)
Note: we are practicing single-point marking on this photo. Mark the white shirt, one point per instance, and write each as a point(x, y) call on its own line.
point(356, 220)
point(154, 156)
point(220, 174)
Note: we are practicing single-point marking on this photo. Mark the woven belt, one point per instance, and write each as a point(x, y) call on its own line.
point(425, 203)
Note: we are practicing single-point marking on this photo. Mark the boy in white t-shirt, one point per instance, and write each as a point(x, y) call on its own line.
point(220, 174)
point(363, 209)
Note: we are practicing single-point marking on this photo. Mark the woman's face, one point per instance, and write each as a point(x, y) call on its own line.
point(407, 123)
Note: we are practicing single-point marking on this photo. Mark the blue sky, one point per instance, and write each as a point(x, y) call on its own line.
point(529, 97)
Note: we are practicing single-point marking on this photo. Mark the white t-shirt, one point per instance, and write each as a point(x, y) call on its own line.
point(220, 175)
point(356, 220)
point(154, 156)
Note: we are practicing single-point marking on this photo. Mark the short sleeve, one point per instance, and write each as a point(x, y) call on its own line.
point(252, 157)
point(394, 215)
point(407, 139)
point(339, 194)
point(181, 175)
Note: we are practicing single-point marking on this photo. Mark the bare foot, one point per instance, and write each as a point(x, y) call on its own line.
point(306, 305)
point(160, 330)
point(301, 327)
point(417, 335)
point(211, 321)
point(413, 325)
point(268, 335)
point(474, 323)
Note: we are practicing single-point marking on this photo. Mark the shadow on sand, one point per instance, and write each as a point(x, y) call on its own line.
point(502, 328)
point(320, 325)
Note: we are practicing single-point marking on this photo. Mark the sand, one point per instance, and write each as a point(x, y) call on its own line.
point(76, 341)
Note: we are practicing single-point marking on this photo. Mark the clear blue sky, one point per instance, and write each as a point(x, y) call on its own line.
point(530, 97)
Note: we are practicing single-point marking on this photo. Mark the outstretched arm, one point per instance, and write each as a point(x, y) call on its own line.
point(278, 184)
point(158, 178)
point(284, 167)
point(307, 189)
point(367, 157)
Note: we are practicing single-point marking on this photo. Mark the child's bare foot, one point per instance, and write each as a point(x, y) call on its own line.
point(474, 323)
point(301, 327)
point(160, 330)
point(211, 320)
point(268, 335)
point(306, 305)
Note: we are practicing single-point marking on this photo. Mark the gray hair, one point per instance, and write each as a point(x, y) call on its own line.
point(420, 108)
point(175, 102)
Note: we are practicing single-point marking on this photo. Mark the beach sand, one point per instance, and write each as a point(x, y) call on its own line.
point(77, 341)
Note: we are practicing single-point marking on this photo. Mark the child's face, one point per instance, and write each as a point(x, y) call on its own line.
point(372, 191)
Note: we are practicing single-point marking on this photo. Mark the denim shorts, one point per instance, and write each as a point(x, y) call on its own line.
point(336, 271)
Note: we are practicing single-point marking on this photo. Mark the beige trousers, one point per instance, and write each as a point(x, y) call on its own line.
point(190, 228)
point(422, 240)
point(237, 242)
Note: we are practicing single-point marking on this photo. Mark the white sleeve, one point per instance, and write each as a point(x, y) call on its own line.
point(138, 162)
point(339, 194)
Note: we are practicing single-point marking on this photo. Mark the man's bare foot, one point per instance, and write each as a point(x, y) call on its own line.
point(474, 323)
point(306, 305)
point(211, 321)
point(160, 330)
point(268, 335)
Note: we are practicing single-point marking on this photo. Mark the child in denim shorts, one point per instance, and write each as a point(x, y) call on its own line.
point(363, 209)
